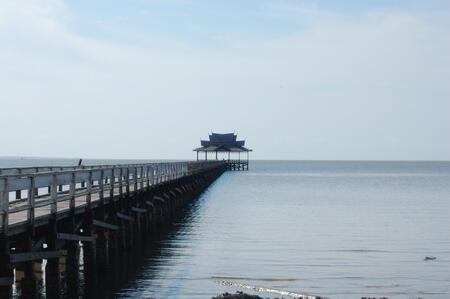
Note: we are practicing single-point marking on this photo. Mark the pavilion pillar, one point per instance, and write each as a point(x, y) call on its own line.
point(206, 155)
point(228, 156)
point(216, 155)
point(247, 159)
point(197, 155)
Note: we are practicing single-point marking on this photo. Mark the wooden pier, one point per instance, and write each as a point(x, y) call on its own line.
point(237, 165)
point(52, 213)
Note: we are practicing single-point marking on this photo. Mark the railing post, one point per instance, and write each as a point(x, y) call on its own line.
point(101, 185)
point(127, 181)
point(142, 178)
point(72, 194)
point(31, 194)
point(111, 184)
point(52, 281)
point(166, 172)
point(152, 175)
point(53, 196)
point(147, 175)
point(120, 181)
point(90, 264)
point(4, 207)
point(6, 270)
point(89, 190)
point(135, 179)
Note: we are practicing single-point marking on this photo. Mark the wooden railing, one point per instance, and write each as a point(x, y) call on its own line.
point(46, 191)
point(35, 169)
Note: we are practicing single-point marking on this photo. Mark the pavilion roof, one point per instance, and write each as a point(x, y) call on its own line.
point(222, 143)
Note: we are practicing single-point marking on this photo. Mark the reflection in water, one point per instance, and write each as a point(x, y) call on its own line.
point(334, 229)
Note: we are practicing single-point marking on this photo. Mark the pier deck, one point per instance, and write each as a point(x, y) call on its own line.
point(77, 187)
point(56, 206)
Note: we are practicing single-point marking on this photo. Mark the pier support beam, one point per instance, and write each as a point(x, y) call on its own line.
point(52, 276)
point(25, 274)
point(89, 258)
point(6, 270)
point(101, 251)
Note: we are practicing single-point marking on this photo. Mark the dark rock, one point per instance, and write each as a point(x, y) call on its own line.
point(238, 295)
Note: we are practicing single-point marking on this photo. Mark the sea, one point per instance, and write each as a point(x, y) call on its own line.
point(335, 229)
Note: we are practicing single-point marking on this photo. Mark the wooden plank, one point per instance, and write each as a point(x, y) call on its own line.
point(32, 256)
point(64, 198)
point(19, 184)
point(82, 176)
point(63, 178)
point(173, 193)
point(124, 217)
point(107, 172)
point(105, 225)
point(43, 181)
point(19, 208)
point(96, 175)
point(116, 172)
point(138, 210)
point(42, 203)
point(72, 237)
point(149, 203)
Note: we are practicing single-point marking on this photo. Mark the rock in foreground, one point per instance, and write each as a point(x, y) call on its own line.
point(238, 295)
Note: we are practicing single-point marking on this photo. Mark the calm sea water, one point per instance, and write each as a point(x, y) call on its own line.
point(334, 229)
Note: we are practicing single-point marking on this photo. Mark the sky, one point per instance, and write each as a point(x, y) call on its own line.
point(147, 79)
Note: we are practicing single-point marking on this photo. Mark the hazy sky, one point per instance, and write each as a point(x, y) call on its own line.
point(297, 79)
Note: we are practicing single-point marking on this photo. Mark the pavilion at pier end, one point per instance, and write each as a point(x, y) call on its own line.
point(226, 144)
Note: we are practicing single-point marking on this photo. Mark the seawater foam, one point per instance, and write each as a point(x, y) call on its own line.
point(266, 290)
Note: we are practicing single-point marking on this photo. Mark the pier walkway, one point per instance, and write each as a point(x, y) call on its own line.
point(104, 208)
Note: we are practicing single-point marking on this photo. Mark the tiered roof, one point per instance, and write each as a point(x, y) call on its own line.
point(222, 143)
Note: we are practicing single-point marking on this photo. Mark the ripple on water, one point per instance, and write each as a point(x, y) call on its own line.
point(336, 229)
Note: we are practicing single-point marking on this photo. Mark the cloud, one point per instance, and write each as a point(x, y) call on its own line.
point(373, 85)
